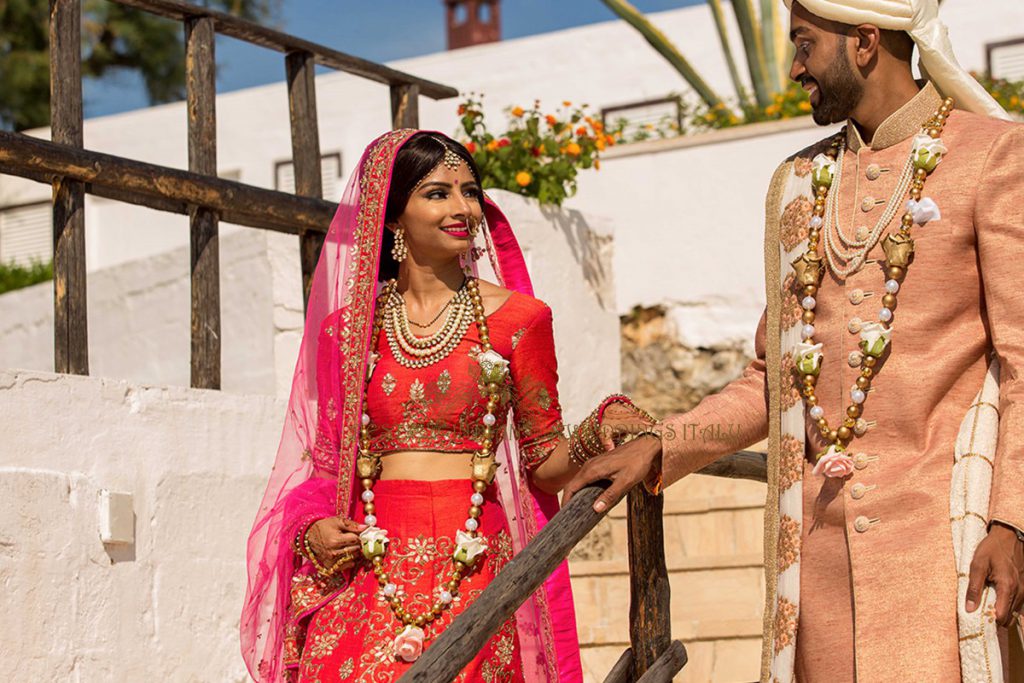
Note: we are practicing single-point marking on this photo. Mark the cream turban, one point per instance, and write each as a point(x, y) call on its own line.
point(919, 18)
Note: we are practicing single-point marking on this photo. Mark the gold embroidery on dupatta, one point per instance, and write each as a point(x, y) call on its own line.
point(358, 313)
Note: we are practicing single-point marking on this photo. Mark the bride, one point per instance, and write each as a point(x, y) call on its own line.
point(423, 443)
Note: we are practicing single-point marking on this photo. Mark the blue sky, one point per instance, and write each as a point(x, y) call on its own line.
point(381, 30)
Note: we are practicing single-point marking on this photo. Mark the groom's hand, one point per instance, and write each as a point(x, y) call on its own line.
point(998, 560)
point(626, 466)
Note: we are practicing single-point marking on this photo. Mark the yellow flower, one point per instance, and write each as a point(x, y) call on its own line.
point(492, 145)
point(805, 106)
point(518, 112)
point(600, 144)
point(772, 109)
point(523, 178)
point(1014, 101)
point(573, 149)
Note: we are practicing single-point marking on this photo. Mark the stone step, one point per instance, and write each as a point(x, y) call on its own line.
point(731, 660)
point(730, 591)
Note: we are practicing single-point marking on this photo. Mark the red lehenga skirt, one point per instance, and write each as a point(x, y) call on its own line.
point(351, 638)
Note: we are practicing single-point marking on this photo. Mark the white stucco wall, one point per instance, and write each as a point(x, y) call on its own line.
point(165, 608)
point(139, 310)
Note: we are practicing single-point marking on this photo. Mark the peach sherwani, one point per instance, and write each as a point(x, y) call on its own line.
point(877, 580)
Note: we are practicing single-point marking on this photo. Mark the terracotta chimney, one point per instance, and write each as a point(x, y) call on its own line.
point(473, 22)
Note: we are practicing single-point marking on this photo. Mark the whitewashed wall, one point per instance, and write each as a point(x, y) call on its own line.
point(166, 607)
point(139, 310)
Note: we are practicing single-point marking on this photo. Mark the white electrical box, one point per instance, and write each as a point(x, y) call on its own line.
point(117, 519)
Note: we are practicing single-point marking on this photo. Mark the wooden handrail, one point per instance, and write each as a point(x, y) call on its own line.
point(251, 32)
point(138, 182)
point(525, 573)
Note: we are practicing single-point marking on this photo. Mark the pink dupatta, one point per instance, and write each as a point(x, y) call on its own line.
point(313, 475)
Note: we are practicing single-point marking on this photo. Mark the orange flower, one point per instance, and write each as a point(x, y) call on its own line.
point(581, 131)
point(551, 120)
point(523, 179)
point(598, 126)
point(462, 109)
point(572, 149)
point(518, 112)
point(600, 144)
point(492, 145)
point(566, 103)
point(471, 147)
point(597, 164)
point(609, 139)
point(805, 106)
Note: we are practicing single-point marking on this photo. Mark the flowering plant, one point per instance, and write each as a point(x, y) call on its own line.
point(1009, 94)
point(539, 155)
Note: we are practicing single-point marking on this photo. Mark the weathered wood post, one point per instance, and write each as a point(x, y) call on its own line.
point(299, 67)
point(70, 326)
point(200, 37)
point(405, 106)
point(650, 619)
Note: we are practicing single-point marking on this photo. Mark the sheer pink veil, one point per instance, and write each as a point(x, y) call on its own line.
point(313, 473)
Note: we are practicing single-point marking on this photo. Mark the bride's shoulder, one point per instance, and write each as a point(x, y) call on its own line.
point(506, 303)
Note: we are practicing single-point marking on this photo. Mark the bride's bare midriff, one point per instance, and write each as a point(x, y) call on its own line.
point(426, 465)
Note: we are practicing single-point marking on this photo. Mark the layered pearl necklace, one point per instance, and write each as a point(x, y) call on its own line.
point(468, 544)
point(898, 248)
point(416, 352)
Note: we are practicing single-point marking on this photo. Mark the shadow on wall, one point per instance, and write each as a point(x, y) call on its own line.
point(586, 246)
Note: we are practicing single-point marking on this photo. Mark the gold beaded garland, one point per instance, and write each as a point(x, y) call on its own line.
point(482, 461)
point(809, 270)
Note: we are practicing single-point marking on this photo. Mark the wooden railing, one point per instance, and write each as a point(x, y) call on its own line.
point(653, 657)
point(198, 192)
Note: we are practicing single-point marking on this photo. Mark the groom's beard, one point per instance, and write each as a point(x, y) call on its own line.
point(839, 91)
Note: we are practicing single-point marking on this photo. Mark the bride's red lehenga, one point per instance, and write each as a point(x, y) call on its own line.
point(438, 408)
point(296, 625)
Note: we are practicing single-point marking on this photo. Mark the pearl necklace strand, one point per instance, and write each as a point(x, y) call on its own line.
point(853, 260)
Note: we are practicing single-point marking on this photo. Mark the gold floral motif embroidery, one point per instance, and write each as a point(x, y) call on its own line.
point(375, 176)
point(416, 391)
point(544, 398)
point(792, 312)
point(795, 224)
point(790, 391)
point(791, 461)
point(789, 542)
point(444, 382)
point(388, 384)
point(329, 331)
point(785, 624)
point(802, 166)
point(517, 337)
point(346, 669)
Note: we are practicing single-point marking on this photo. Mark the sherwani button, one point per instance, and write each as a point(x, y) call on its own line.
point(867, 204)
point(874, 170)
point(863, 232)
point(857, 492)
point(856, 296)
point(861, 524)
point(861, 427)
point(854, 359)
point(860, 461)
point(854, 325)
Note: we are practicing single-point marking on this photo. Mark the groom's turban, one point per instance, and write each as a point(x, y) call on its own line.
point(919, 18)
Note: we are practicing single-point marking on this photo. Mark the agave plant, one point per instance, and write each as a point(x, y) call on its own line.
point(764, 45)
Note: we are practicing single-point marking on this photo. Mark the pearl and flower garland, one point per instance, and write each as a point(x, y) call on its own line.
point(469, 545)
point(899, 249)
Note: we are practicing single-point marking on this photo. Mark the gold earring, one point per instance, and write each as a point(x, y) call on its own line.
point(399, 251)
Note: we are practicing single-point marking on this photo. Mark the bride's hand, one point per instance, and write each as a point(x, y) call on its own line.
point(620, 420)
point(334, 540)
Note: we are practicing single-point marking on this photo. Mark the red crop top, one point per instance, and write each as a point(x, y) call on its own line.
point(441, 407)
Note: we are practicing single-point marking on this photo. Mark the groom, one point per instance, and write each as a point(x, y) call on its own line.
point(888, 377)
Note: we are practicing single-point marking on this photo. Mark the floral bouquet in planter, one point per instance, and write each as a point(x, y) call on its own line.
point(539, 154)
